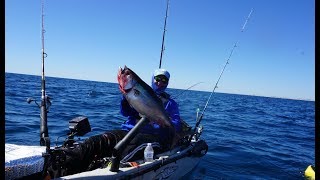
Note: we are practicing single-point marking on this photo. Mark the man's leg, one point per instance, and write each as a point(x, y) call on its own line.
point(78, 159)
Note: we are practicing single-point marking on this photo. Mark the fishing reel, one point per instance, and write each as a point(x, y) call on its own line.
point(47, 101)
point(198, 127)
point(198, 133)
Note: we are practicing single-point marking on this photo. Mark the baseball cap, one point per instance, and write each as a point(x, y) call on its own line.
point(163, 72)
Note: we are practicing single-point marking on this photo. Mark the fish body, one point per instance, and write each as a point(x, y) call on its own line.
point(142, 97)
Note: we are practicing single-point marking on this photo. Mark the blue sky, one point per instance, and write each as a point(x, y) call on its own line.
point(89, 40)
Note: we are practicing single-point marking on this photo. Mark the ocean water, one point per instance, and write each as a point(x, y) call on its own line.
point(249, 137)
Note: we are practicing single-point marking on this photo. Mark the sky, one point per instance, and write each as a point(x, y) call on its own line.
point(90, 40)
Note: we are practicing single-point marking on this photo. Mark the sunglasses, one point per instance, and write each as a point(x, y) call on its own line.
point(162, 79)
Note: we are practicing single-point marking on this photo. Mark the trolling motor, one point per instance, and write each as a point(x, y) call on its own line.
point(78, 126)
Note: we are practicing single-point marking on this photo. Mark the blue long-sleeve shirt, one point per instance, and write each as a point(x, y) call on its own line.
point(171, 108)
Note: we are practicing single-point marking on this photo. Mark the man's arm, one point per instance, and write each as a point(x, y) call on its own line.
point(173, 110)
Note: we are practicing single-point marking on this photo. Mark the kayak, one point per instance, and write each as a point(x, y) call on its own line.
point(28, 161)
point(172, 164)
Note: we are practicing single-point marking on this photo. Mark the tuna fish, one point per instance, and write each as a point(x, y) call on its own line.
point(142, 97)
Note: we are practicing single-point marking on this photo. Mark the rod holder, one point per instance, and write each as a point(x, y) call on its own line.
point(118, 149)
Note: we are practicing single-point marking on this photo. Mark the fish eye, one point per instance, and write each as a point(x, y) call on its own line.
point(136, 92)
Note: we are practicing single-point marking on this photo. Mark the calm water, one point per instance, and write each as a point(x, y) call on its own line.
point(249, 137)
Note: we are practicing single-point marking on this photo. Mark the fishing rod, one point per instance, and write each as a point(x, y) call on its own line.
point(199, 118)
point(164, 33)
point(45, 100)
point(45, 103)
point(44, 136)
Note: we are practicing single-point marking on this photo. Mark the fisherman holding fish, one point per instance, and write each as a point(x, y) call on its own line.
point(139, 100)
point(160, 121)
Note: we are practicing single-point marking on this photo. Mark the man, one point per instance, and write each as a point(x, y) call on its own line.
point(159, 83)
point(100, 146)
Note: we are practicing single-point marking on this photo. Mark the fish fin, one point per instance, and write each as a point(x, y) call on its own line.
point(119, 80)
point(122, 90)
point(163, 124)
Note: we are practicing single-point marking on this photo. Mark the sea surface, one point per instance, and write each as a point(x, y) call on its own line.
point(249, 137)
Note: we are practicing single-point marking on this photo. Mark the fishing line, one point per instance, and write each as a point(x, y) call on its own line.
point(227, 62)
point(187, 89)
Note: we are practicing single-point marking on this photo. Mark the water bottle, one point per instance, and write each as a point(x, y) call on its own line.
point(148, 153)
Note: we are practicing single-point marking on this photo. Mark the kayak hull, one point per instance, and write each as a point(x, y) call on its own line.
point(169, 165)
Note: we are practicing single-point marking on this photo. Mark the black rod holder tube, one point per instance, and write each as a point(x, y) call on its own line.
point(117, 150)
